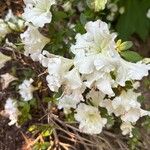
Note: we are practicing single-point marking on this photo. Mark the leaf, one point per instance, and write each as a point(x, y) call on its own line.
point(59, 15)
point(134, 20)
point(83, 19)
point(131, 56)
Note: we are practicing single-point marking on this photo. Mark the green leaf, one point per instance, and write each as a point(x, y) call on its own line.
point(131, 56)
point(59, 15)
point(83, 19)
point(134, 20)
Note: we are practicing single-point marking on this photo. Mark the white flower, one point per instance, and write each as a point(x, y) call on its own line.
point(54, 82)
point(12, 111)
point(123, 103)
point(70, 100)
point(95, 96)
point(33, 41)
point(89, 118)
point(105, 84)
point(148, 13)
point(134, 114)
point(127, 71)
point(97, 40)
point(26, 90)
point(3, 59)
point(107, 103)
point(57, 68)
point(73, 79)
point(100, 80)
point(38, 12)
point(4, 29)
point(126, 128)
point(136, 85)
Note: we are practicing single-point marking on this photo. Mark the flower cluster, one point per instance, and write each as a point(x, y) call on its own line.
point(94, 74)
point(12, 111)
point(26, 89)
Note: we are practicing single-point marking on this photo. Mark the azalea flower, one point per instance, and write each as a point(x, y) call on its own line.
point(12, 111)
point(90, 119)
point(97, 39)
point(134, 114)
point(95, 96)
point(26, 89)
point(33, 41)
point(3, 59)
point(73, 79)
point(70, 100)
point(38, 12)
point(127, 71)
point(57, 68)
point(127, 128)
point(123, 103)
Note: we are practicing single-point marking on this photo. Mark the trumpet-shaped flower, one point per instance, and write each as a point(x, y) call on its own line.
point(95, 96)
point(38, 12)
point(57, 68)
point(123, 103)
point(26, 90)
point(127, 71)
point(73, 79)
point(90, 119)
point(96, 40)
point(126, 128)
point(70, 100)
point(12, 111)
point(33, 41)
point(134, 114)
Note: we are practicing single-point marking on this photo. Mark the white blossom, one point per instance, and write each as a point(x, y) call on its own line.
point(57, 68)
point(73, 79)
point(107, 103)
point(70, 100)
point(97, 40)
point(123, 103)
point(126, 128)
point(127, 71)
point(38, 12)
point(33, 41)
point(90, 119)
point(12, 111)
point(95, 96)
point(134, 114)
point(26, 89)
